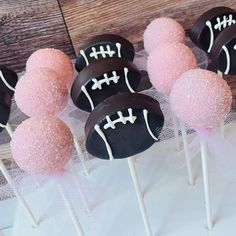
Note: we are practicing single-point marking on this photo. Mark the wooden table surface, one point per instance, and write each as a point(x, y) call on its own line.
point(28, 25)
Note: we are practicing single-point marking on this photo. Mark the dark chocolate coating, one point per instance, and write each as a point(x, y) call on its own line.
point(96, 70)
point(127, 49)
point(223, 52)
point(5, 108)
point(218, 17)
point(126, 139)
point(11, 78)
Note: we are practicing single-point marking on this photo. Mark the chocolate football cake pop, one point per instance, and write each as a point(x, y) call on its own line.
point(208, 26)
point(103, 79)
point(104, 46)
point(123, 125)
point(223, 52)
point(8, 80)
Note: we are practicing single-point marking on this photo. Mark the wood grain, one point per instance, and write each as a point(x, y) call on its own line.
point(128, 17)
point(28, 25)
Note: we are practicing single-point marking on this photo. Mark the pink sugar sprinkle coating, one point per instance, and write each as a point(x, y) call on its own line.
point(162, 30)
point(53, 59)
point(167, 62)
point(201, 98)
point(41, 92)
point(42, 145)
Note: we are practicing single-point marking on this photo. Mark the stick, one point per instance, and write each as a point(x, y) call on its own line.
point(206, 184)
point(81, 156)
point(9, 129)
point(82, 195)
point(138, 191)
point(176, 132)
point(18, 195)
point(71, 211)
point(186, 151)
point(1, 233)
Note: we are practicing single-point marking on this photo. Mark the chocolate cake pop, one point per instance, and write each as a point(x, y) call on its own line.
point(122, 126)
point(41, 92)
point(223, 53)
point(162, 30)
point(208, 26)
point(5, 108)
point(8, 80)
point(104, 46)
point(53, 59)
point(102, 79)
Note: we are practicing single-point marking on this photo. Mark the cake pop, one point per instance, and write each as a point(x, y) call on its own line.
point(102, 79)
point(5, 107)
point(202, 99)
point(53, 59)
point(41, 92)
point(8, 80)
point(44, 154)
point(208, 26)
point(104, 46)
point(162, 30)
point(165, 64)
point(122, 126)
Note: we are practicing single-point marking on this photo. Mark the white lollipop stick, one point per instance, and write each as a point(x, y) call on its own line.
point(176, 132)
point(9, 129)
point(82, 195)
point(138, 191)
point(222, 128)
point(71, 211)
point(206, 184)
point(1, 233)
point(18, 195)
point(187, 155)
point(80, 154)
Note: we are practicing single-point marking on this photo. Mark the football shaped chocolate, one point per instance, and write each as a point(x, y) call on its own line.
point(8, 80)
point(123, 125)
point(103, 79)
point(5, 108)
point(223, 52)
point(104, 46)
point(208, 26)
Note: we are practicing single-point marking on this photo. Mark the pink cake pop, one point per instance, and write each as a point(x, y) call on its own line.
point(41, 92)
point(167, 62)
point(201, 98)
point(162, 30)
point(42, 145)
point(53, 59)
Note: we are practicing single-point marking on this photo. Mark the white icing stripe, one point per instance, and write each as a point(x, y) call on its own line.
point(102, 52)
point(227, 59)
point(83, 88)
point(111, 124)
point(127, 80)
point(2, 126)
point(5, 82)
point(102, 135)
point(208, 23)
point(118, 46)
point(145, 115)
point(84, 56)
point(98, 83)
point(224, 22)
